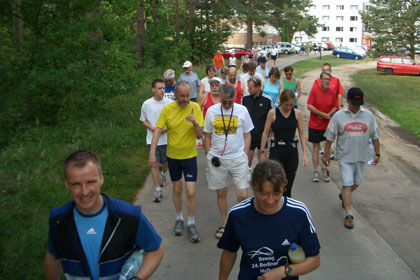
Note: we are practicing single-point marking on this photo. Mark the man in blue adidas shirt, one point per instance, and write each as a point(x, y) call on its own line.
point(93, 235)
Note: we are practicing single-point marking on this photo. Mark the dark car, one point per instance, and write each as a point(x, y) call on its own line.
point(346, 53)
point(239, 53)
point(391, 64)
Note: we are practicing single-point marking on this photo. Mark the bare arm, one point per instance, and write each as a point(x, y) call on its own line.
point(227, 260)
point(281, 87)
point(271, 116)
point(152, 153)
point(150, 263)
point(52, 267)
point(377, 151)
point(321, 115)
point(247, 141)
point(198, 129)
point(308, 265)
point(302, 137)
point(298, 88)
point(200, 91)
point(327, 152)
point(202, 100)
point(207, 142)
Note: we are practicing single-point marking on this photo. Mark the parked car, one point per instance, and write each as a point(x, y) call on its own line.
point(397, 65)
point(239, 53)
point(359, 49)
point(285, 47)
point(297, 47)
point(346, 53)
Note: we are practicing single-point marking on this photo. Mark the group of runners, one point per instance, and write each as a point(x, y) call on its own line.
point(232, 118)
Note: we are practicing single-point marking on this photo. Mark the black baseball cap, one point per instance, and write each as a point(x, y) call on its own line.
point(356, 96)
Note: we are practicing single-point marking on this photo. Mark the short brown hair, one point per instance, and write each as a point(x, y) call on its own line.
point(80, 158)
point(274, 71)
point(269, 171)
point(286, 95)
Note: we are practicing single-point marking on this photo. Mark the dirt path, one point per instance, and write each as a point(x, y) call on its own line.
point(389, 197)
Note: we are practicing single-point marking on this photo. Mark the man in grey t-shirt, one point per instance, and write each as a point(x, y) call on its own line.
point(191, 78)
point(353, 127)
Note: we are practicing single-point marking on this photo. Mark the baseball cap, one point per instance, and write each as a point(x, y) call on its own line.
point(187, 64)
point(356, 96)
point(169, 74)
point(215, 79)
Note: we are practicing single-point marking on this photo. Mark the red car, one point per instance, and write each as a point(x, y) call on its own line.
point(239, 53)
point(397, 64)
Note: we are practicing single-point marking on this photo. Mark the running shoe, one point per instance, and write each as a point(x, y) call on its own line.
point(157, 197)
point(348, 222)
point(326, 175)
point(316, 177)
point(193, 234)
point(178, 228)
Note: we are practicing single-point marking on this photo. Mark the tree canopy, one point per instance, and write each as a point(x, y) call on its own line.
point(395, 24)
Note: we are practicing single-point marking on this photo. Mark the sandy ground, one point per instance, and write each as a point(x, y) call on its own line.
point(389, 197)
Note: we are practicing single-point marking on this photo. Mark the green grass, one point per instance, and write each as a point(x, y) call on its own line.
point(397, 96)
point(32, 180)
point(307, 65)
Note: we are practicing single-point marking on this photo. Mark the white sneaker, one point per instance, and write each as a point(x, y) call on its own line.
point(157, 197)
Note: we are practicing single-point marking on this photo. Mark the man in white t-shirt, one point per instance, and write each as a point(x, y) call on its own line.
point(150, 111)
point(252, 68)
point(274, 53)
point(232, 60)
point(226, 143)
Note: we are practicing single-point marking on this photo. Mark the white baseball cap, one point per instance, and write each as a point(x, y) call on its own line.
point(169, 74)
point(187, 64)
point(215, 79)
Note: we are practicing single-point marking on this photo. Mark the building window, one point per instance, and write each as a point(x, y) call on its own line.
point(339, 18)
point(339, 29)
point(326, 28)
point(353, 29)
point(340, 7)
point(325, 17)
point(339, 39)
point(325, 7)
point(353, 18)
point(354, 7)
point(353, 40)
point(325, 39)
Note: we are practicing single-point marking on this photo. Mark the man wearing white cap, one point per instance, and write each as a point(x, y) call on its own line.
point(191, 78)
point(353, 127)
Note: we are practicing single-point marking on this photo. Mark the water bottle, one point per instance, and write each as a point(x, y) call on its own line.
point(132, 265)
point(371, 152)
point(296, 253)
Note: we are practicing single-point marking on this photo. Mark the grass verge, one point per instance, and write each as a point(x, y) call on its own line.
point(307, 65)
point(397, 96)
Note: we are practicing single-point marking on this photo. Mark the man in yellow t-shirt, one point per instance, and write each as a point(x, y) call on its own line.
point(184, 123)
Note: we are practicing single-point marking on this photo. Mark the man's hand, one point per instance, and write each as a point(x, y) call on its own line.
point(152, 160)
point(324, 116)
point(191, 117)
point(325, 159)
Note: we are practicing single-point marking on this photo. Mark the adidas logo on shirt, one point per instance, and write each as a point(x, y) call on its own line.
point(285, 243)
point(91, 231)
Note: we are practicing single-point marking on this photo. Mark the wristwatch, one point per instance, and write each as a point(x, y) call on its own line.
point(288, 271)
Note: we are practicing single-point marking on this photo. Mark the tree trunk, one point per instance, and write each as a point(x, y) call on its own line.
point(249, 27)
point(249, 32)
point(18, 29)
point(176, 18)
point(141, 20)
point(95, 35)
point(191, 19)
point(154, 16)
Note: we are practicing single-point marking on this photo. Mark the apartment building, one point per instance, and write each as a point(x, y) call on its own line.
point(341, 22)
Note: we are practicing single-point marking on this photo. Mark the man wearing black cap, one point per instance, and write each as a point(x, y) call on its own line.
point(353, 127)
point(263, 68)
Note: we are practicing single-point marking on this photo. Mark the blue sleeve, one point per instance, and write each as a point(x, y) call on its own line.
point(147, 238)
point(51, 248)
point(229, 240)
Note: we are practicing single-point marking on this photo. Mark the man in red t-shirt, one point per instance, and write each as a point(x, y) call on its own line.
point(322, 103)
point(335, 83)
point(236, 84)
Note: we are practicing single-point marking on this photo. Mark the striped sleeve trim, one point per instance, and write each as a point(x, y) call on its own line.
point(301, 206)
